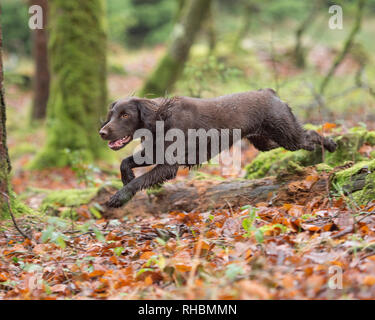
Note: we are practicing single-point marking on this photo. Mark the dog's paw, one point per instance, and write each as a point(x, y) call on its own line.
point(331, 145)
point(122, 197)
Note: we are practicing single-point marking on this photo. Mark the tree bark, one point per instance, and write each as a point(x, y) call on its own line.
point(172, 64)
point(207, 195)
point(194, 195)
point(41, 76)
point(78, 98)
point(4, 157)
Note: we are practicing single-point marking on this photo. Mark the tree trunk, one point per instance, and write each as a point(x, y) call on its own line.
point(347, 46)
point(299, 52)
point(250, 9)
point(77, 53)
point(4, 157)
point(211, 31)
point(41, 76)
point(172, 64)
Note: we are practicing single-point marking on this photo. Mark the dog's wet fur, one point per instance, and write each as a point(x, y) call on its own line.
point(265, 120)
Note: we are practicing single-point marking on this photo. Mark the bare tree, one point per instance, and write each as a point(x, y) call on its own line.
point(172, 64)
point(4, 157)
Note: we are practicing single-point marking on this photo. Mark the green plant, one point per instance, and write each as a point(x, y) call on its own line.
point(250, 228)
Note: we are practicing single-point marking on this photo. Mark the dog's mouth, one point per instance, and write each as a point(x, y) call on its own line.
point(119, 143)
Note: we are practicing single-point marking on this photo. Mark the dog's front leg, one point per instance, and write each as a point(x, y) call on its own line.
point(159, 174)
point(126, 170)
point(127, 166)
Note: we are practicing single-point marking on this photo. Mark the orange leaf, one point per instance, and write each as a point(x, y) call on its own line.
point(182, 267)
point(364, 229)
point(369, 281)
point(147, 255)
point(329, 126)
point(287, 206)
point(3, 278)
point(96, 273)
point(328, 227)
point(313, 228)
point(148, 280)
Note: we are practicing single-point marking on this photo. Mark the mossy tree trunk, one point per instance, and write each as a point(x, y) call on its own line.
point(77, 53)
point(172, 64)
point(41, 77)
point(4, 157)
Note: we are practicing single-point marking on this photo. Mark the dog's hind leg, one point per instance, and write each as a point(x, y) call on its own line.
point(313, 139)
point(282, 127)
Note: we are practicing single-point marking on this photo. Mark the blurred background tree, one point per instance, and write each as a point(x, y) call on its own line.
point(228, 46)
point(172, 64)
point(41, 73)
point(137, 23)
point(15, 21)
point(79, 89)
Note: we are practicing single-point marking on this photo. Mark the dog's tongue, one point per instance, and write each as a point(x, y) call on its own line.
point(118, 143)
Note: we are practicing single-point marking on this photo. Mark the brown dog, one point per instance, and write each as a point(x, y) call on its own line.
point(265, 120)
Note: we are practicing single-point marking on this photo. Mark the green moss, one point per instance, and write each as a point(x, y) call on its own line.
point(348, 181)
point(71, 198)
point(17, 206)
point(277, 160)
point(274, 161)
point(323, 167)
point(68, 198)
point(21, 149)
point(370, 138)
point(78, 90)
point(264, 163)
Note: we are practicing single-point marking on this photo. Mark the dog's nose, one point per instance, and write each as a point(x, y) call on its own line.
point(103, 133)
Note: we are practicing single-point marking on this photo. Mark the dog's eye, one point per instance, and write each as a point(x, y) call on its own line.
point(124, 116)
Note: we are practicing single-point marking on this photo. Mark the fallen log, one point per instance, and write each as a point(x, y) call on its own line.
point(195, 195)
point(206, 195)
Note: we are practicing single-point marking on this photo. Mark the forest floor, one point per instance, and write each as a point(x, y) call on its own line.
point(316, 247)
point(323, 249)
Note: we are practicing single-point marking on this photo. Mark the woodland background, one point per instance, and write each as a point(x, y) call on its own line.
point(282, 228)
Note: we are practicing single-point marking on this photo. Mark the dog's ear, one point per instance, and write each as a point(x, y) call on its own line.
point(147, 110)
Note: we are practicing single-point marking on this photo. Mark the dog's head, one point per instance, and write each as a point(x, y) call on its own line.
point(125, 117)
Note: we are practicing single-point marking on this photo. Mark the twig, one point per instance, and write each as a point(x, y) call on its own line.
point(12, 216)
